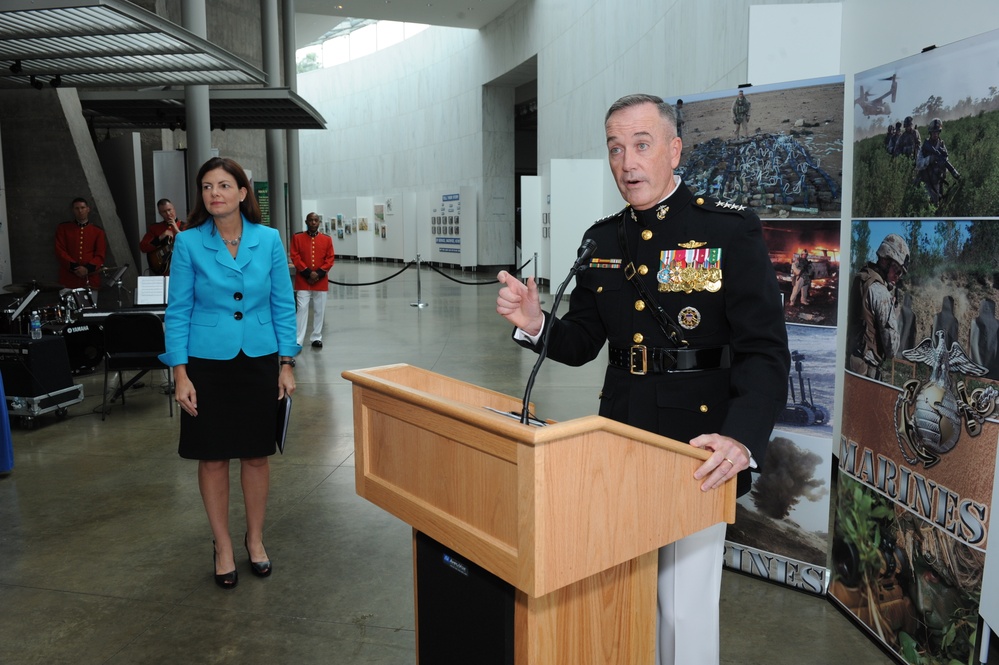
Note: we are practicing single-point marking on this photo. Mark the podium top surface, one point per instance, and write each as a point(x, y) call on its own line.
point(479, 406)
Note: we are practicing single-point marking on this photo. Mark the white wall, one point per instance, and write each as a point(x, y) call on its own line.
point(411, 119)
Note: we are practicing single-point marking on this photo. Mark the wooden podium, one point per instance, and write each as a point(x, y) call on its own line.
point(570, 514)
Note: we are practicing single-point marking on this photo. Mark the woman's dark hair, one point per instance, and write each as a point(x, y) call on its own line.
point(248, 206)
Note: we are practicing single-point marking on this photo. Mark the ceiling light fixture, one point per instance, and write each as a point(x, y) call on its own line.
point(16, 67)
point(35, 83)
point(56, 81)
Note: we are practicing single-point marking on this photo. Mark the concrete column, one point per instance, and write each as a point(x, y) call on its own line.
point(198, 112)
point(296, 216)
point(276, 165)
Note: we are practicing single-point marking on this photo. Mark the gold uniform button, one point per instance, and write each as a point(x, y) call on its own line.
point(704, 408)
point(639, 305)
point(600, 289)
point(643, 270)
point(646, 235)
point(637, 338)
point(700, 201)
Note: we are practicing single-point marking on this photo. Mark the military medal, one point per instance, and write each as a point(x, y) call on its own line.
point(692, 269)
point(605, 263)
point(689, 318)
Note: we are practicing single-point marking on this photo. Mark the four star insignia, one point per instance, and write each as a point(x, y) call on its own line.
point(729, 206)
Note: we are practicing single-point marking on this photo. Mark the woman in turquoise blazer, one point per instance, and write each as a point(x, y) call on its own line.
point(230, 339)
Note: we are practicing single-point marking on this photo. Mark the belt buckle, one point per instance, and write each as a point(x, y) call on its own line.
point(640, 352)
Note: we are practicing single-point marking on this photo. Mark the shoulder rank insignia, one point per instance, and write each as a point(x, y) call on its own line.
point(724, 205)
point(613, 217)
point(691, 244)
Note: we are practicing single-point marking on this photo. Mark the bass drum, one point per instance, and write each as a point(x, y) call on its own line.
point(84, 344)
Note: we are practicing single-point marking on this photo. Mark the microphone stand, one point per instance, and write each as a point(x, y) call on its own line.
point(116, 281)
point(586, 250)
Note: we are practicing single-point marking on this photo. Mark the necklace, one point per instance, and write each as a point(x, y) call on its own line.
point(233, 242)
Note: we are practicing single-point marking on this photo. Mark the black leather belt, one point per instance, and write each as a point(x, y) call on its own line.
point(640, 359)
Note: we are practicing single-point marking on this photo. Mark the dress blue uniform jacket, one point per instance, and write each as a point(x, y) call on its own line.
point(220, 305)
point(746, 314)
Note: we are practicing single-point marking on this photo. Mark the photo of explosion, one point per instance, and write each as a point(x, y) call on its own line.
point(806, 258)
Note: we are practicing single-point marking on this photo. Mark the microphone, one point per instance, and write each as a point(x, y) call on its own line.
point(583, 256)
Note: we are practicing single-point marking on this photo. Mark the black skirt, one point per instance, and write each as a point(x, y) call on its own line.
point(237, 408)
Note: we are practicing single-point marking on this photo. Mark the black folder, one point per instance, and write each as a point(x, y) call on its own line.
point(283, 418)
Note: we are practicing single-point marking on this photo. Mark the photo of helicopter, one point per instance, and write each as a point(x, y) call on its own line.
point(878, 105)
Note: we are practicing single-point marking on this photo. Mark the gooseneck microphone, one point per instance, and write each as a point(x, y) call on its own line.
point(583, 256)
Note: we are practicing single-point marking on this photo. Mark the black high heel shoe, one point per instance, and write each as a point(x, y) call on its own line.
point(225, 580)
point(261, 569)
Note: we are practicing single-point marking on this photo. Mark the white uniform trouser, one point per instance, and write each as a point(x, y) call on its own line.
point(318, 300)
point(690, 572)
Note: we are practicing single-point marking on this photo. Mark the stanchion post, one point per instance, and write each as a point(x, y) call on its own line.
point(419, 287)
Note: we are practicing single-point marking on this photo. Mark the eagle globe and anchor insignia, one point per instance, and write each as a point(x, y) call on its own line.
point(928, 415)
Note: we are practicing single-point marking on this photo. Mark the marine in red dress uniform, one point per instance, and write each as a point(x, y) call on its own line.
point(81, 248)
point(312, 254)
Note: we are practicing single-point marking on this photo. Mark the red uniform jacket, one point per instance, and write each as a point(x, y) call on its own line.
point(77, 245)
point(310, 253)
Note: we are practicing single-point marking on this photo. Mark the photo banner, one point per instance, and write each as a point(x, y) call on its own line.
point(916, 458)
point(778, 149)
point(917, 451)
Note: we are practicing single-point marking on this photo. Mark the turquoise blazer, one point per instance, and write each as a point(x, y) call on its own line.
point(219, 305)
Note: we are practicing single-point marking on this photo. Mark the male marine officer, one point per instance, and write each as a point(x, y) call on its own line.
point(683, 291)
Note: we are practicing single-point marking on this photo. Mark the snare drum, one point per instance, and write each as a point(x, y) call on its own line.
point(75, 301)
point(53, 314)
point(84, 299)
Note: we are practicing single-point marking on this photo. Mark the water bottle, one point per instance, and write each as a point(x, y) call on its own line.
point(36, 325)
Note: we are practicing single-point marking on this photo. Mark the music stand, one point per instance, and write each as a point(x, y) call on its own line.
point(24, 303)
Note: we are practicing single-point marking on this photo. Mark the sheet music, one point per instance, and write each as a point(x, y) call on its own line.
point(151, 290)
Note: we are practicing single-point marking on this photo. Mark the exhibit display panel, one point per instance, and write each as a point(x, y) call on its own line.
point(576, 195)
point(777, 149)
point(918, 444)
point(535, 226)
point(453, 228)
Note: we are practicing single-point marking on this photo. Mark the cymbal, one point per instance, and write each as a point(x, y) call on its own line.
point(24, 288)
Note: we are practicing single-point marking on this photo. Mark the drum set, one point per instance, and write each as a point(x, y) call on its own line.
point(64, 316)
point(70, 305)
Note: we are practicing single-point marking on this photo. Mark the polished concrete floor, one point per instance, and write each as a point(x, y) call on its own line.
point(105, 551)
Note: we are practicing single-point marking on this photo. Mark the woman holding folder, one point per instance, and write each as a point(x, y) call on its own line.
point(230, 339)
